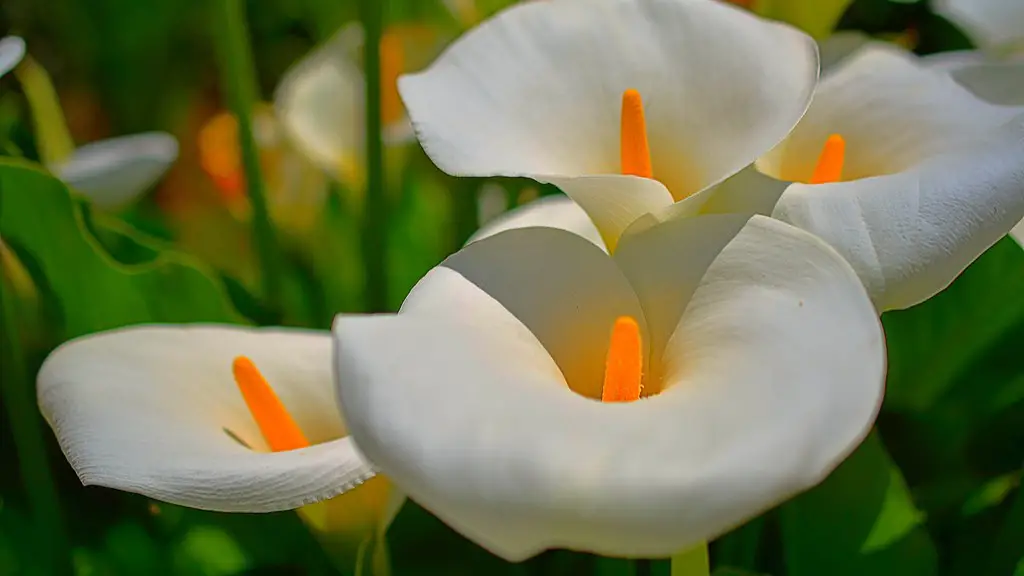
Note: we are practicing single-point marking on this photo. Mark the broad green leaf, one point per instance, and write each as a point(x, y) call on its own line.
point(47, 228)
point(860, 520)
point(933, 345)
point(956, 384)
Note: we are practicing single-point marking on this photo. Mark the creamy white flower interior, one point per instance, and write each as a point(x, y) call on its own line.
point(477, 399)
point(538, 90)
point(153, 409)
point(932, 176)
point(116, 171)
point(12, 50)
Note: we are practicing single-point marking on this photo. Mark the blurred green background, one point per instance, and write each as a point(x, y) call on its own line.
point(935, 490)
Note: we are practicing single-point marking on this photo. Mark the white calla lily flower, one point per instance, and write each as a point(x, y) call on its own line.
point(903, 171)
point(12, 50)
point(213, 417)
point(115, 171)
point(736, 370)
point(626, 105)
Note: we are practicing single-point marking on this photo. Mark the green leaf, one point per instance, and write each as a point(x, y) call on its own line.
point(860, 520)
point(933, 345)
point(956, 386)
point(47, 228)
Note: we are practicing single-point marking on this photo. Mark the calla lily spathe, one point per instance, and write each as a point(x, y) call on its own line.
point(762, 365)
point(155, 410)
point(537, 91)
point(931, 177)
point(994, 72)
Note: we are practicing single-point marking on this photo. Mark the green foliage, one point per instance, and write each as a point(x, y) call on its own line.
point(935, 488)
point(42, 222)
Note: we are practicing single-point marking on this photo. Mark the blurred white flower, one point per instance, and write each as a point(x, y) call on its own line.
point(110, 172)
point(12, 50)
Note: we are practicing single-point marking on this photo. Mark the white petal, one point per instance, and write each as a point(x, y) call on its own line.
point(910, 234)
point(549, 212)
point(613, 202)
point(746, 192)
point(12, 50)
point(319, 101)
point(148, 410)
point(113, 172)
point(665, 263)
point(784, 375)
point(563, 288)
point(996, 82)
point(537, 90)
point(893, 113)
point(990, 23)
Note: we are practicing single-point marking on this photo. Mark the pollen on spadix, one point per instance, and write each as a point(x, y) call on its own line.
point(623, 371)
point(634, 151)
point(830, 163)
point(276, 424)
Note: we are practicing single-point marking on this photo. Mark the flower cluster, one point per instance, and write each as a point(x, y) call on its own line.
point(686, 338)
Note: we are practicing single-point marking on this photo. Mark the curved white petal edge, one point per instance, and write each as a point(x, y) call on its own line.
point(116, 171)
point(720, 87)
point(549, 211)
point(12, 50)
point(155, 410)
point(774, 374)
point(908, 235)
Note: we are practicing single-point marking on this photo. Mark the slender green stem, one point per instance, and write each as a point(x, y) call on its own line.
point(27, 429)
point(375, 216)
point(466, 212)
point(238, 78)
point(692, 562)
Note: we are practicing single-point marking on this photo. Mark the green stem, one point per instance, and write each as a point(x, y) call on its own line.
point(27, 429)
point(238, 78)
point(375, 216)
point(692, 562)
point(466, 203)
